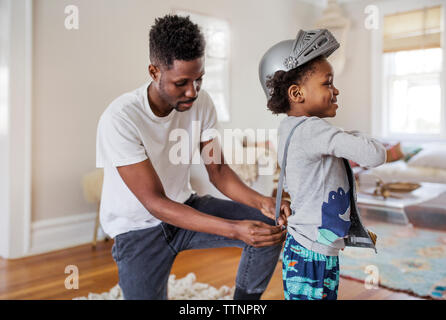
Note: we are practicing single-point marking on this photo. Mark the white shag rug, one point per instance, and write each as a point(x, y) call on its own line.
point(178, 289)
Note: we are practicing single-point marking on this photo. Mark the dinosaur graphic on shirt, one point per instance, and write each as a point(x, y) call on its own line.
point(335, 217)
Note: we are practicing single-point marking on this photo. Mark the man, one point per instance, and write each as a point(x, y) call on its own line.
point(147, 205)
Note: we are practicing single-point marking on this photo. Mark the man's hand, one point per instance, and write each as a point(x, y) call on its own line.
point(259, 234)
point(268, 208)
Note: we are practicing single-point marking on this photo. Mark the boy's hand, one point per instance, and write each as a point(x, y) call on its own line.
point(268, 208)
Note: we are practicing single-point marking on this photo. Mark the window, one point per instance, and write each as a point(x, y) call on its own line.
point(413, 80)
point(412, 61)
point(216, 79)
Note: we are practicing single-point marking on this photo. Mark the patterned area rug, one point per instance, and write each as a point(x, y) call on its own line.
point(178, 289)
point(409, 260)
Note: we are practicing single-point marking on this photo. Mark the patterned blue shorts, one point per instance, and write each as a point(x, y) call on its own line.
point(308, 275)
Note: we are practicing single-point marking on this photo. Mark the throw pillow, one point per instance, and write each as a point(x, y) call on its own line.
point(394, 152)
point(410, 153)
point(430, 157)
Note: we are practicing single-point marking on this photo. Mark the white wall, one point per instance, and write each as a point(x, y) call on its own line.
point(77, 73)
point(354, 84)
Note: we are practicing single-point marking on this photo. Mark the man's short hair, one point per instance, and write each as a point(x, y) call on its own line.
point(173, 37)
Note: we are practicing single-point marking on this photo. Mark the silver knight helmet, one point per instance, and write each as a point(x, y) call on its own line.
point(289, 54)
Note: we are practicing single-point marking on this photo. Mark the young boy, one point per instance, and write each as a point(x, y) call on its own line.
point(318, 178)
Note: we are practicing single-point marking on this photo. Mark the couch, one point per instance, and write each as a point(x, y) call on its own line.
point(416, 163)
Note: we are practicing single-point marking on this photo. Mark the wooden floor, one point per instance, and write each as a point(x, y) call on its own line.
point(43, 276)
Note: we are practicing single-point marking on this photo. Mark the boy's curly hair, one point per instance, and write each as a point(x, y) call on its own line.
point(279, 83)
point(173, 37)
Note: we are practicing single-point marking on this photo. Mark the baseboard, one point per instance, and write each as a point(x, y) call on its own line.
point(59, 233)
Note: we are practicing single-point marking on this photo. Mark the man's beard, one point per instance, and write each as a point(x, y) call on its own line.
point(177, 106)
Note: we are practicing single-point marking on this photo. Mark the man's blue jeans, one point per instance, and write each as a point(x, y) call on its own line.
point(145, 257)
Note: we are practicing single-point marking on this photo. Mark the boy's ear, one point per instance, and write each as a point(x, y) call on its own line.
point(295, 93)
point(154, 72)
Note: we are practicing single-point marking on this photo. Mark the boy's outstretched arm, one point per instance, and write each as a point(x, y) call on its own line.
point(351, 145)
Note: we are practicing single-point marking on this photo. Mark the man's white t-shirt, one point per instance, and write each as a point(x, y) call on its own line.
point(128, 133)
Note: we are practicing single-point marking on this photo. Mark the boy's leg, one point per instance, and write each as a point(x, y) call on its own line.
point(256, 264)
point(331, 278)
point(144, 261)
point(308, 275)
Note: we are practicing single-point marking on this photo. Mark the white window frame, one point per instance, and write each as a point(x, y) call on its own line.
point(15, 134)
point(379, 85)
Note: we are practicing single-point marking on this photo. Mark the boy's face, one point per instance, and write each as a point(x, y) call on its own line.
point(319, 92)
